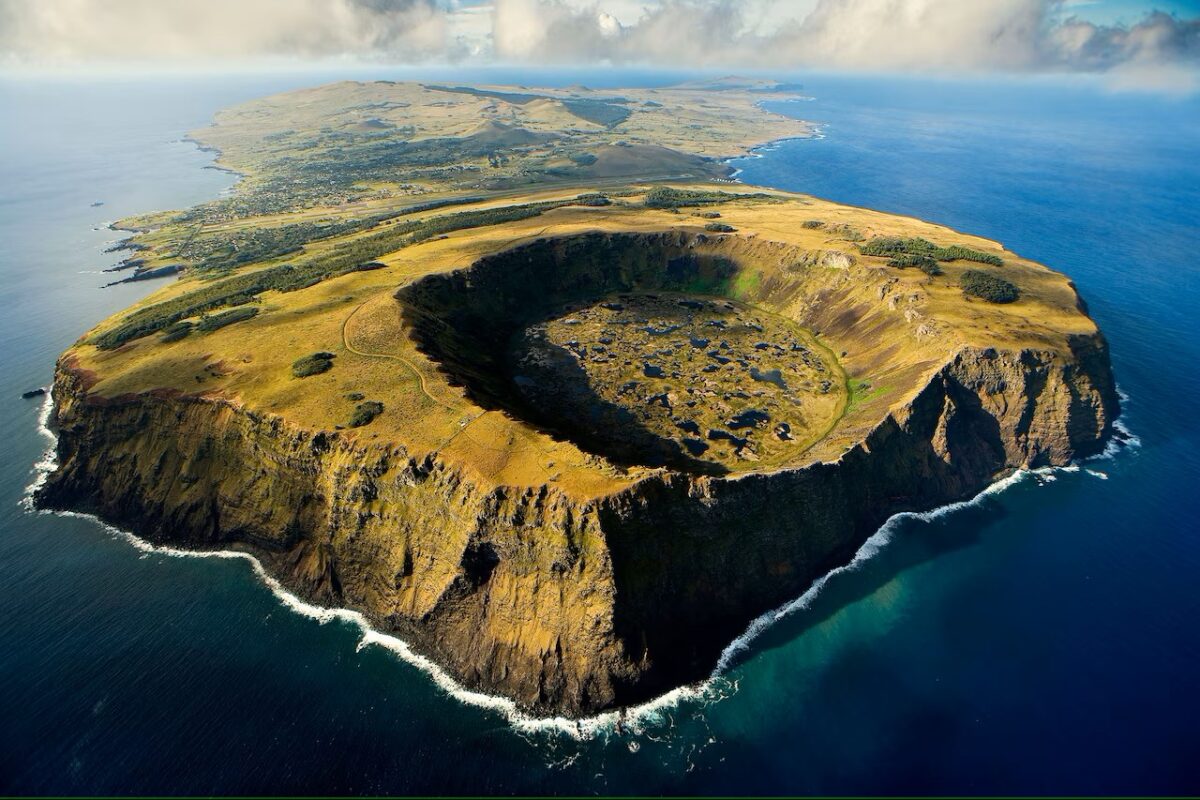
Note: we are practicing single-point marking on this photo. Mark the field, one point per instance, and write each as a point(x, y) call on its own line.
point(880, 328)
point(437, 267)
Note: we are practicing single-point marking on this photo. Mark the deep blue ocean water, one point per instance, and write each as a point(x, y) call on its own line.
point(1044, 640)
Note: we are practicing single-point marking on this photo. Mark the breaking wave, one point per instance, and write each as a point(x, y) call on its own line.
point(632, 719)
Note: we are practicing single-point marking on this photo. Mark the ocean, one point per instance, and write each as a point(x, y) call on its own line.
point(1044, 639)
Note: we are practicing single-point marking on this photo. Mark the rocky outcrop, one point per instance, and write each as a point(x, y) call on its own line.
point(567, 606)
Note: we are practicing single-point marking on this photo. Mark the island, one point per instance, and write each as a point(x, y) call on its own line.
point(524, 378)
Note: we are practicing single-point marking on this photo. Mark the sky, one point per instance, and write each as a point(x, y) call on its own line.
point(1139, 43)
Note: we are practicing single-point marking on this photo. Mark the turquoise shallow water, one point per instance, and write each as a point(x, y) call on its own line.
point(1044, 640)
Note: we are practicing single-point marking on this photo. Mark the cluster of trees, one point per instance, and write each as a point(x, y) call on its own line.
point(312, 364)
point(921, 262)
point(276, 195)
point(349, 256)
point(666, 197)
point(222, 251)
point(895, 247)
point(180, 330)
point(592, 199)
point(210, 322)
point(987, 286)
point(583, 159)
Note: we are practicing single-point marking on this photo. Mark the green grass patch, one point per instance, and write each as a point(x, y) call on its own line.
point(861, 391)
point(746, 284)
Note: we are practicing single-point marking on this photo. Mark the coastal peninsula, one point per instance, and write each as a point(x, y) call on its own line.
point(524, 378)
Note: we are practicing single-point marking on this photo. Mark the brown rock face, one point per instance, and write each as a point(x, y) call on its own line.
point(567, 605)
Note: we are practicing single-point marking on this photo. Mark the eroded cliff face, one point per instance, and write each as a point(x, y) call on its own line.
point(567, 606)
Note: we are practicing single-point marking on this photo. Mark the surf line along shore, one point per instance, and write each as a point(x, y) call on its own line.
point(634, 720)
point(527, 550)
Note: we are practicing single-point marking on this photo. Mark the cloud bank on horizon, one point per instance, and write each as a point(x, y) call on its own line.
point(1155, 48)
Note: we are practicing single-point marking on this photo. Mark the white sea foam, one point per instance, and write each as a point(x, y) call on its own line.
point(817, 132)
point(636, 720)
point(49, 460)
point(1123, 438)
point(869, 549)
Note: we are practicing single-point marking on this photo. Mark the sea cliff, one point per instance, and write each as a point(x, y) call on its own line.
point(567, 605)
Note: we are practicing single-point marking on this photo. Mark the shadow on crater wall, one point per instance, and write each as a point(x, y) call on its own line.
point(464, 320)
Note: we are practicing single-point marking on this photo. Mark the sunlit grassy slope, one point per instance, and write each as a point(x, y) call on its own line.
point(790, 252)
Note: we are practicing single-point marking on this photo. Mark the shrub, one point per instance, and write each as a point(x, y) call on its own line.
point(364, 413)
point(177, 331)
point(313, 364)
point(210, 322)
point(719, 227)
point(708, 214)
point(987, 286)
point(848, 232)
point(812, 223)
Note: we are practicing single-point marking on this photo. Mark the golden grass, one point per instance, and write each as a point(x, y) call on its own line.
point(356, 318)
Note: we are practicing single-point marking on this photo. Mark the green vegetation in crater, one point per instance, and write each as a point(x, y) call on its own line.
point(696, 382)
point(862, 391)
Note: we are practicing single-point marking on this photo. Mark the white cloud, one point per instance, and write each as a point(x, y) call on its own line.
point(946, 36)
point(72, 31)
point(911, 35)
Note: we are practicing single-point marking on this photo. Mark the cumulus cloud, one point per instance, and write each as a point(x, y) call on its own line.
point(886, 35)
point(1010, 35)
point(72, 31)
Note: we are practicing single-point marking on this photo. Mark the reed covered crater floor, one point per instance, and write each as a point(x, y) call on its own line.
point(692, 381)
